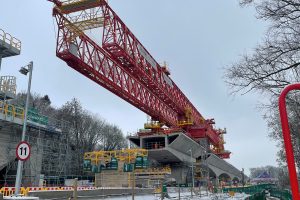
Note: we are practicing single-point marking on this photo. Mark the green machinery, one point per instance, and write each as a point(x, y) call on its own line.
point(96, 162)
point(257, 192)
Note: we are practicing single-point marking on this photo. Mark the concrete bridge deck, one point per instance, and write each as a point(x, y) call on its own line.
point(175, 149)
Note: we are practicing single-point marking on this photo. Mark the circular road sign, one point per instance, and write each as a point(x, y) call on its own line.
point(23, 151)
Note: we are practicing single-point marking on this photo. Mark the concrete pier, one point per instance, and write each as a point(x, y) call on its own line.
point(174, 149)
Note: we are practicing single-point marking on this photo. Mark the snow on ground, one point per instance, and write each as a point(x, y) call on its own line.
point(183, 196)
point(205, 196)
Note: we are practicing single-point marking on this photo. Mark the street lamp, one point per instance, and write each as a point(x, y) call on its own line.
point(0, 60)
point(24, 70)
point(243, 177)
point(193, 181)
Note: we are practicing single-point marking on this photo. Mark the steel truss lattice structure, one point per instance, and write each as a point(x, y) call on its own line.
point(122, 65)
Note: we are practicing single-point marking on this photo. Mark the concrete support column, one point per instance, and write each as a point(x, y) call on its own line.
point(0, 61)
point(166, 141)
point(142, 143)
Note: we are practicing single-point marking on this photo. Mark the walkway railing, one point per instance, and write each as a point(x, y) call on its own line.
point(253, 189)
point(258, 191)
point(11, 111)
point(281, 194)
point(12, 41)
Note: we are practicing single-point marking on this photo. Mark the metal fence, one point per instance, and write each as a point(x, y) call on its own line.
point(281, 194)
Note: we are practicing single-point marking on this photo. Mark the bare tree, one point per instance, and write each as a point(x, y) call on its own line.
point(272, 65)
point(42, 104)
point(279, 173)
point(88, 131)
point(112, 138)
point(85, 129)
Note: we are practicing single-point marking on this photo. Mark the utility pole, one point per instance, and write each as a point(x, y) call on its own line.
point(75, 185)
point(133, 183)
point(207, 172)
point(0, 61)
point(24, 71)
point(178, 191)
point(243, 177)
point(162, 195)
point(193, 181)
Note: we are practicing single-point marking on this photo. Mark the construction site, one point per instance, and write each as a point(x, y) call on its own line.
point(177, 151)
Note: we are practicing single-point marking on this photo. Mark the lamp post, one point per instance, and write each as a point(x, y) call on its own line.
point(206, 171)
point(24, 70)
point(243, 177)
point(0, 61)
point(193, 181)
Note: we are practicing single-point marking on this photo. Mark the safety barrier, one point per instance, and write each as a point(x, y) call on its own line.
point(281, 194)
point(66, 188)
point(257, 191)
point(13, 111)
point(254, 189)
point(8, 191)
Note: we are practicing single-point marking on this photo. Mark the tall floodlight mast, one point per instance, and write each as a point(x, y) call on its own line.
point(122, 65)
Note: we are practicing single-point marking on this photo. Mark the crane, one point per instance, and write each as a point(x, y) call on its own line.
point(122, 65)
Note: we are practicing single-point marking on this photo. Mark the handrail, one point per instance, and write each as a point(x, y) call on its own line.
point(18, 112)
point(11, 110)
point(287, 139)
point(12, 41)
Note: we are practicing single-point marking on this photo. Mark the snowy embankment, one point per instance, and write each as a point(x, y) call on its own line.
point(183, 196)
point(185, 193)
point(205, 196)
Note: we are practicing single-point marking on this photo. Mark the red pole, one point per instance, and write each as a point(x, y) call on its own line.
point(287, 139)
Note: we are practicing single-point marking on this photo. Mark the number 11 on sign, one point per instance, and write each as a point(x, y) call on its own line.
point(23, 151)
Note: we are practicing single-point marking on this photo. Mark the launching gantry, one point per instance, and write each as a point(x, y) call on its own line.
point(122, 65)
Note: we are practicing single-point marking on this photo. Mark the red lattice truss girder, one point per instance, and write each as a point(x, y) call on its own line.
point(86, 57)
point(124, 47)
point(123, 66)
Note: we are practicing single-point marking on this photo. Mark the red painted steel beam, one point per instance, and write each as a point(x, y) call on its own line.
point(123, 46)
point(131, 67)
point(287, 139)
point(85, 56)
point(56, 2)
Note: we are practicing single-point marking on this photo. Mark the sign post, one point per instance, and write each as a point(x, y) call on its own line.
point(23, 70)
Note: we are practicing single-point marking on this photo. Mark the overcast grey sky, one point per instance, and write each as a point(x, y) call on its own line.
point(197, 39)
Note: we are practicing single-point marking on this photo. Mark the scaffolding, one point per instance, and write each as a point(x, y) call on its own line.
point(7, 87)
point(51, 155)
point(201, 173)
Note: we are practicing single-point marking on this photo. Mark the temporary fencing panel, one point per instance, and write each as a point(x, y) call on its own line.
point(281, 194)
